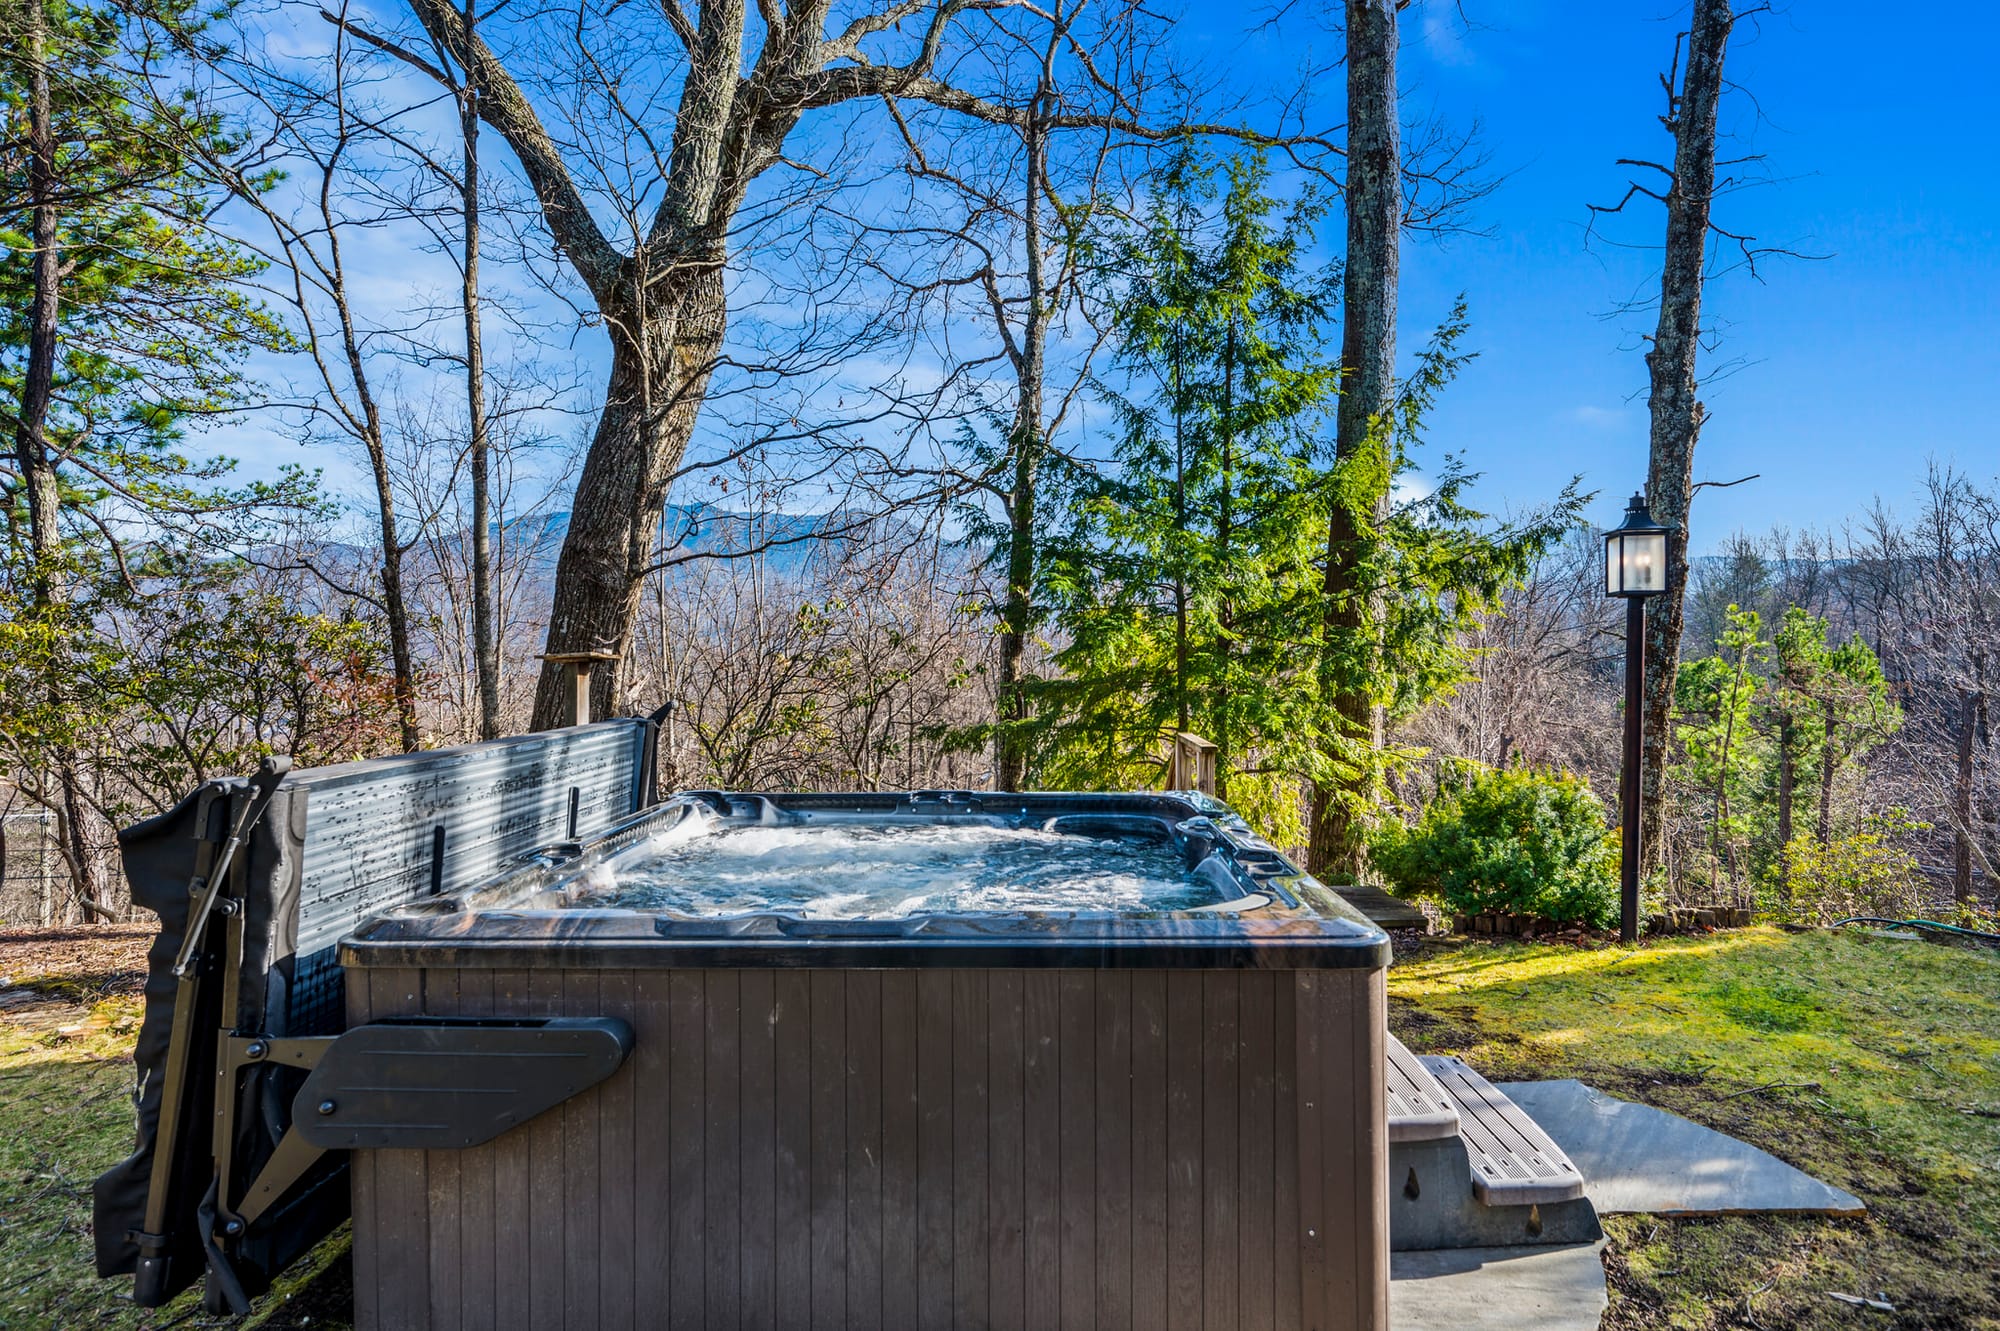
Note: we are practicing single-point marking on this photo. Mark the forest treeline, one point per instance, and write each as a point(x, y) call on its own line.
point(975, 395)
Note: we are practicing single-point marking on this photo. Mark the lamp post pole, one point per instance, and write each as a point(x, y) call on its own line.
point(1628, 777)
point(1635, 569)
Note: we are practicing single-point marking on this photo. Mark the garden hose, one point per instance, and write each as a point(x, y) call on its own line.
point(1991, 940)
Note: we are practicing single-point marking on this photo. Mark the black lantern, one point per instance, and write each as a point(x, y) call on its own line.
point(1635, 553)
point(1635, 568)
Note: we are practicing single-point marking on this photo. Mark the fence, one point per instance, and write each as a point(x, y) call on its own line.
point(31, 873)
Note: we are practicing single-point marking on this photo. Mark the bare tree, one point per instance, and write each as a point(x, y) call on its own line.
point(1001, 244)
point(529, 475)
point(335, 143)
point(658, 289)
point(1543, 685)
point(835, 666)
point(485, 629)
point(1936, 603)
point(1687, 189)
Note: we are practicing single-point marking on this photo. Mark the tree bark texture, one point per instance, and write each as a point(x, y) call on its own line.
point(38, 471)
point(1788, 759)
point(80, 845)
point(658, 379)
point(395, 606)
point(485, 631)
point(1367, 393)
point(1025, 443)
point(1676, 410)
point(1961, 799)
point(661, 291)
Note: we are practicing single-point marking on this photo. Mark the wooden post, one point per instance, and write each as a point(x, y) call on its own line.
point(576, 703)
point(1192, 766)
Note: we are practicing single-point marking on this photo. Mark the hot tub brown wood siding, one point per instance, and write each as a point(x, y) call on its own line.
point(862, 1149)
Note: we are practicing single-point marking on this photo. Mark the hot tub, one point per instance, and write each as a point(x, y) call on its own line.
point(900, 1061)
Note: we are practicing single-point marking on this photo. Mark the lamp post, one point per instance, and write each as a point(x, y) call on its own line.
point(1635, 567)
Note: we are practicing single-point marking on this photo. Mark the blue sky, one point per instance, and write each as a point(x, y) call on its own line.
point(1850, 373)
point(1847, 375)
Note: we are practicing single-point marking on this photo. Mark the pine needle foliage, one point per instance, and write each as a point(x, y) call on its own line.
point(1186, 589)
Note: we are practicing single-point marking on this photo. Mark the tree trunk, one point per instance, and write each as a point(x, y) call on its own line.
point(38, 473)
point(79, 846)
point(1829, 765)
point(1024, 442)
point(1011, 768)
point(1982, 738)
point(396, 607)
point(1367, 393)
point(1788, 758)
point(1181, 718)
point(1722, 848)
point(485, 632)
point(369, 428)
point(1225, 535)
point(38, 470)
point(658, 379)
point(1961, 800)
point(1676, 411)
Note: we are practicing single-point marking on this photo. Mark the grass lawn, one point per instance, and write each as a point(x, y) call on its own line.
point(1883, 1060)
point(68, 1016)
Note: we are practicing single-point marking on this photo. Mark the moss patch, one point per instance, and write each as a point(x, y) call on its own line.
point(1874, 1065)
point(65, 1115)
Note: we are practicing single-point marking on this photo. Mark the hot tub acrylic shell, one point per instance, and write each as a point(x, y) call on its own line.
point(1138, 1121)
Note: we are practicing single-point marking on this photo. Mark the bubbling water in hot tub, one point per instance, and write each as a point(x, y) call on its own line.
point(880, 871)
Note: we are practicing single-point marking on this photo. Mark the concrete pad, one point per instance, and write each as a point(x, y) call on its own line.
point(1498, 1289)
point(1638, 1159)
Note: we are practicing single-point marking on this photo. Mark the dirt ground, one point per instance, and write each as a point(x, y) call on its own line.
point(106, 959)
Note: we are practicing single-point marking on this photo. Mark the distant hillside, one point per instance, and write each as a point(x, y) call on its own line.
point(708, 530)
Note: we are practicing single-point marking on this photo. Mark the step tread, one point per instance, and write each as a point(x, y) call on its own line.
point(1419, 1109)
point(1514, 1162)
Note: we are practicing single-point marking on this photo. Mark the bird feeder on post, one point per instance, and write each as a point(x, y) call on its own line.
point(1192, 766)
point(576, 703)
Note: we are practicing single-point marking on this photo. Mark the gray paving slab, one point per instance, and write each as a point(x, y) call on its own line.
point(1498, 1289)
point(1638, 1159)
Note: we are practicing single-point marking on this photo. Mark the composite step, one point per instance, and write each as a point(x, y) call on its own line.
point(1382, 909)
point(1514, 1163)
point(1419, 1109)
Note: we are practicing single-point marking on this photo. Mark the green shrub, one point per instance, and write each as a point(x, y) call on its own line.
point(1534, 843)
point(1866, 873)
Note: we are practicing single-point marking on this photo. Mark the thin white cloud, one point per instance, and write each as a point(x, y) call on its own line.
point(1597, 418)
point(1444, 38)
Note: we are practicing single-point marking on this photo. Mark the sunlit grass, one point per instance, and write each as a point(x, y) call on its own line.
point(1879, 1063)
point(65, 1116)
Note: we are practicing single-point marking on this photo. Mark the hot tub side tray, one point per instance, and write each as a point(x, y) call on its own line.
point(419, 1084)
